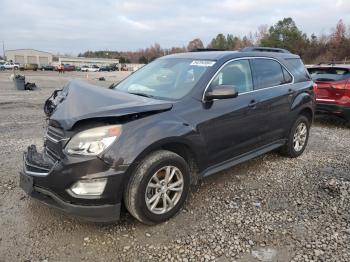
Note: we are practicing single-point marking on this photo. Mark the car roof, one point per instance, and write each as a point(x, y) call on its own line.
point(217, 55)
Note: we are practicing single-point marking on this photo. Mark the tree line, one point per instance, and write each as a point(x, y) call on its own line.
point(331, 47)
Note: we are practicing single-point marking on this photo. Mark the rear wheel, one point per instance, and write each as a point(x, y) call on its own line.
point(347, 120)
point(158, 188)
point(298, 138)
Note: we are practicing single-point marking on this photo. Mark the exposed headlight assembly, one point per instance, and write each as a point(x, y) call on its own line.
point(93, 141)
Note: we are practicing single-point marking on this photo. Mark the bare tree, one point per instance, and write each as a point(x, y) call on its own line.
point(195, 44)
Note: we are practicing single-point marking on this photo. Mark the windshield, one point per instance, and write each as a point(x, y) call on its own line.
point(329, 73)
point(169, 78)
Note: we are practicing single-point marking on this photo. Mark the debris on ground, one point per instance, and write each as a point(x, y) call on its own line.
point(30, 86)
point(331, 186)
point(20, 83)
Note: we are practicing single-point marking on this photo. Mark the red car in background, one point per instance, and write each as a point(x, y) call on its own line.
point(333, 89)
point(69, 68)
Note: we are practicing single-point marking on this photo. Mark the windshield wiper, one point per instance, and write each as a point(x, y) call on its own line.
point(141, 94)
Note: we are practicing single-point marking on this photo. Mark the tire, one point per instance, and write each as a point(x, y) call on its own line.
point(347, 123)
point(139, 187)
point(16, 67)
point(290, 149)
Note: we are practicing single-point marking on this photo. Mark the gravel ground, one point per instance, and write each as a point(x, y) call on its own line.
point(267, 209)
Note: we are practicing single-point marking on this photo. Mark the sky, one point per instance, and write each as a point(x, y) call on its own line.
point(73, 26)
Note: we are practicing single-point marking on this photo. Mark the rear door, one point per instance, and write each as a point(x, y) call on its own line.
point(273, 90)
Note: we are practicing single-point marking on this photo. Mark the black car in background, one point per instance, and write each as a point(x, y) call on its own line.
point(105, 69)
point(183, 117)
point(47, 68)
point(114, 67)
point(109, 68)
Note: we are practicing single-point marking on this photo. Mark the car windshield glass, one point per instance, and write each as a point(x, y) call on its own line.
point(329, 73)
point(167, 78)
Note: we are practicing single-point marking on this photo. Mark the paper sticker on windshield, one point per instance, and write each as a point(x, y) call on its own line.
point(205, 63)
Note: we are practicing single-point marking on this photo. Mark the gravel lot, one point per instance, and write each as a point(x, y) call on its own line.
point(268, 209)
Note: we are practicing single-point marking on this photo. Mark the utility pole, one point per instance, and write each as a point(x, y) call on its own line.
point(3, 50)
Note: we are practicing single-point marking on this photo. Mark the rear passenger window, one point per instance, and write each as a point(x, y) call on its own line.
point(236, 73)
point(267, 73)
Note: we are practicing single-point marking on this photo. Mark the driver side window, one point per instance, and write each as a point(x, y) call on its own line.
point(237, 74)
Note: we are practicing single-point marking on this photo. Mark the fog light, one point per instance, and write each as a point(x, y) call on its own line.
point(92, 187)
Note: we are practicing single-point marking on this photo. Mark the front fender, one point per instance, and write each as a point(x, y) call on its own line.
point(145, 135)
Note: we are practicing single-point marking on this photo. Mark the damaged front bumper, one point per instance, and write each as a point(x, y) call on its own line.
point(50, 182)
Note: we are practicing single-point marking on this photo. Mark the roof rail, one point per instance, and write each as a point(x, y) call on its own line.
point(264, 49)
point(206, 49)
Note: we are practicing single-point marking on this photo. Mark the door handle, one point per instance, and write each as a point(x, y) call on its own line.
point(253, 103)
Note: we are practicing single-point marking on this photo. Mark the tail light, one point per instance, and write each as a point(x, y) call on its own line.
point(347, 86)
point(345, 100)
point(341, 85)
point(314, 87)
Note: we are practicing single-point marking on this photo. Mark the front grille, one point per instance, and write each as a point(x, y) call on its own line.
point(54, 134)
point(51, 154)
point(54, 143)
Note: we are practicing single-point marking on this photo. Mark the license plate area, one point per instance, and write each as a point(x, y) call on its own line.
point(26, 183)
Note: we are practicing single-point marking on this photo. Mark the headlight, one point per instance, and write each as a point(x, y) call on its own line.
point(93, 141)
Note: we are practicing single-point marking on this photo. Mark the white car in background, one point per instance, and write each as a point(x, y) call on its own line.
point(10, 65)
point(91, 68)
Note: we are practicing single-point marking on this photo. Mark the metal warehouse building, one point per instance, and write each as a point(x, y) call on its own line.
point(29, 56)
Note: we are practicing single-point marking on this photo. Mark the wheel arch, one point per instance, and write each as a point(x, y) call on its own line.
point(179, 147)
point(308, 113)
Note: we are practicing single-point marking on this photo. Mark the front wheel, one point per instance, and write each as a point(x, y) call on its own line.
point(158, 188)
point(298, 138)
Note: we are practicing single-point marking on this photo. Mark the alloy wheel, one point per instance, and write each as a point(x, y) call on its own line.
point(300, 136)
point(164, 190)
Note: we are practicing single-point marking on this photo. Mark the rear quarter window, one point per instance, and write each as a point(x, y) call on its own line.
point(299, 68)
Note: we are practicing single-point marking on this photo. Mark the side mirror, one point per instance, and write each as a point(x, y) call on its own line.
point(221, 92)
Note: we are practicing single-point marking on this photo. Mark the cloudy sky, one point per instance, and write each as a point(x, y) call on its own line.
point(73, 26)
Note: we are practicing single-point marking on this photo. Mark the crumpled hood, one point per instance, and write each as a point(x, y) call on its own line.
point(80, 100)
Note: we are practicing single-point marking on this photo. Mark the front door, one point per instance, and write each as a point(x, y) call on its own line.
point(232, 126)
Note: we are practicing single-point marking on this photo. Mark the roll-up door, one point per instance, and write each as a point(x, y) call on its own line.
point(19, 59)
point(32, 60)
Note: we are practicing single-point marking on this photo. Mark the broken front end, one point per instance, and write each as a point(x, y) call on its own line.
point(86, 153)
point(81, 186)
